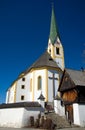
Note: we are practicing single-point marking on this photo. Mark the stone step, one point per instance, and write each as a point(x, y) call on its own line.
point(60, 121)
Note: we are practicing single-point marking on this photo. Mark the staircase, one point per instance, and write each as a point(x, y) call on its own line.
point(59, 121)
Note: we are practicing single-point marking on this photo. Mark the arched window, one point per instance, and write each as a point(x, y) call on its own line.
point(39, 82)
point(30, 85)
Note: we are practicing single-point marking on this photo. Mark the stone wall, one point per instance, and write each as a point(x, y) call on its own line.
point(79, 114)
point(16, 117)
point(59, 109)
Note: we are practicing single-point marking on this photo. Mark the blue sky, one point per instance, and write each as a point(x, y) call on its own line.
point(24, 33)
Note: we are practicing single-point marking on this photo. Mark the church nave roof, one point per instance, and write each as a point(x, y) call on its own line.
point(45, 60)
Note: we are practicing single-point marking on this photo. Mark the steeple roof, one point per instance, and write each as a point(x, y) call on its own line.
point(53, 28)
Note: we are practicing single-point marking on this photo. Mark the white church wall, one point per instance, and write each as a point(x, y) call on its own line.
point(7, 96)
point(16, 117)
point(11, 117)
point(47, 86)
point(23, 92)
point(28, 96)
point(59, 58)
point(36, 91)
point(59, 109)
point(79, 114)
point(28, 114)
point(27, 85)
point(10, 95)
point(50, 84)
point(31, 92)
point(59, 62)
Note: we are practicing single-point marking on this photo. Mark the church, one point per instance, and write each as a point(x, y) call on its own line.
point(48, 80)
point(44, 75)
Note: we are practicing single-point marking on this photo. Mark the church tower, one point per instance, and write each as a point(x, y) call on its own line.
point(55, 48)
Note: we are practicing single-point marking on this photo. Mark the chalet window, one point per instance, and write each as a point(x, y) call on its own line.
point(30, 85)
point(57, 50)
point(39, 82)
point(22, 86)
point(22, 97)
point(23, 79)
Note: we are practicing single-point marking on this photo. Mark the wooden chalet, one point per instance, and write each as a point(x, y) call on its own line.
point(72, 89)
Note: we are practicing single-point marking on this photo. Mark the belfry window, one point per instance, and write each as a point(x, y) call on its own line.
point(50, 50)
point(57, 50)
point(39, 82)
point(30, 85)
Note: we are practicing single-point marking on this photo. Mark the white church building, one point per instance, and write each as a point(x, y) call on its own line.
point(44, 77)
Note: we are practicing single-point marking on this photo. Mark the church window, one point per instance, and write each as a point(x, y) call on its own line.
point(39, 82)
point(22, 86)
point(30, 85)
point(57, 51)
point(23, 79)
point(50, 50)
point(22, 97)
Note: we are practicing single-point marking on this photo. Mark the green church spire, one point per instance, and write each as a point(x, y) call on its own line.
point(53, 28)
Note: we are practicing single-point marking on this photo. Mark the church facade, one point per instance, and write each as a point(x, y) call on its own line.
point(47, 78)
point(44, 75)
